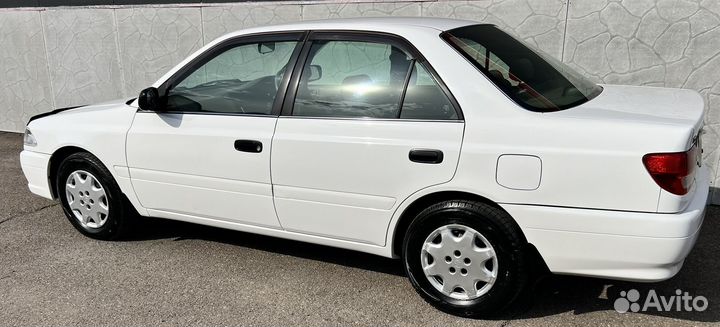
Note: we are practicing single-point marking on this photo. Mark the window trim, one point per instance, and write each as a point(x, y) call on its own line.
point(216, 50)
point(408, 75)
point(363, 36)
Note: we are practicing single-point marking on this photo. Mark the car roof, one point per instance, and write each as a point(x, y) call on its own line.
point(403, 26)
point(365, 24)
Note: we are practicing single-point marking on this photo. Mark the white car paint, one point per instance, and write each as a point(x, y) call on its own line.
point(354, 172)
point(583, 197)
point(187, 164)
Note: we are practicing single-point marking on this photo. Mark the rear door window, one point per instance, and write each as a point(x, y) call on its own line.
point(364, 79)
point(425, 99)
point(352, 79)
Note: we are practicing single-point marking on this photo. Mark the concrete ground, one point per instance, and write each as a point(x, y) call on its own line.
point(175, 273)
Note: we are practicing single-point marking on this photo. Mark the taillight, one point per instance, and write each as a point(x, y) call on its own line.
point(672, 171)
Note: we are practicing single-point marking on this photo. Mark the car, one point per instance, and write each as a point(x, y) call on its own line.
point(445, 143)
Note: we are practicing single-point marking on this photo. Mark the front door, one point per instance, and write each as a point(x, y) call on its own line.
point(366, 125)
point(207, 155)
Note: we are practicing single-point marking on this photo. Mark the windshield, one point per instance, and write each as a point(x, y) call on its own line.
point(534, 80)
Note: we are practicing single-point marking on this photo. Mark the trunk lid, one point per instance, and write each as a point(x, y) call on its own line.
point(645, 105)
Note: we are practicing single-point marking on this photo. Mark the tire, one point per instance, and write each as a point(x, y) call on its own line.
point(93, 195)
point(473, 233)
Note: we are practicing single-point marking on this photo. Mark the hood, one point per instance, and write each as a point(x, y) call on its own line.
point(98, 106)
point(79, 125)
point(94, 107)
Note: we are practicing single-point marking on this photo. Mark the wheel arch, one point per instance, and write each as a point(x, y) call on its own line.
point(55, 159)
point(427, 200)
point(63, 152)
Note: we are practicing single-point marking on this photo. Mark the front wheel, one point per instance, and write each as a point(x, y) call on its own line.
point(466, 258)
point(91, 198)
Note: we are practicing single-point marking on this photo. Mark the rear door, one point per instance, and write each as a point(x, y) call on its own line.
point(207, 154)
point(365, 124)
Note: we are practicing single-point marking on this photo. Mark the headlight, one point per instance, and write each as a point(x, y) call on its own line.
point(29, 139)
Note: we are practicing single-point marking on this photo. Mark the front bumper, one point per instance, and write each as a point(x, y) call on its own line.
point(35, 167)
point(622, 245)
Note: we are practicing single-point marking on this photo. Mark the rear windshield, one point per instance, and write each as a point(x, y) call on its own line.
point(534, 80)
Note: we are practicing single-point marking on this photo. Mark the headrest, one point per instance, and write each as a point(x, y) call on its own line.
point(523, 69)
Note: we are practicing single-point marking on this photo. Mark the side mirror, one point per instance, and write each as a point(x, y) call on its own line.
point(264, 48)
point(314, 72)
point(149, 99)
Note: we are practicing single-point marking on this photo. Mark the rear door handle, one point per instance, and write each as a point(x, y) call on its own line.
point(248, 146)
point(426, 156)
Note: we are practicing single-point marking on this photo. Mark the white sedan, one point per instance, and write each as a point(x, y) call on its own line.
point(446, 143)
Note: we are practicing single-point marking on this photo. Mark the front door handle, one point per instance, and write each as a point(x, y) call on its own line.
point(248, 146)
point(427, 156)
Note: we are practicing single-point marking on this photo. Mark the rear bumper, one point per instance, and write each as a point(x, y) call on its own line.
point(614, 244)
point(35, 168)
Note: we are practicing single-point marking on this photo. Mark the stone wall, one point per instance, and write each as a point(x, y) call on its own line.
point(56, 57)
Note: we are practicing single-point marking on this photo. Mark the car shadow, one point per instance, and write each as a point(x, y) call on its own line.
point(548, 295)
point(178, 231)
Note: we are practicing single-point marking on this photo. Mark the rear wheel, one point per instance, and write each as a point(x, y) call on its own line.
point(466, 258)
point(91, 199)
